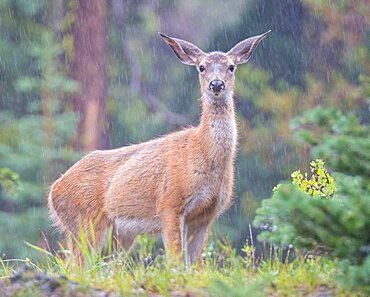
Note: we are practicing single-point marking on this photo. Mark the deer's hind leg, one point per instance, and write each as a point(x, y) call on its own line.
point(87, 238)
point(74, 253)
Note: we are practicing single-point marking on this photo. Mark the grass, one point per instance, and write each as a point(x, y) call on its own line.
point(220, 273)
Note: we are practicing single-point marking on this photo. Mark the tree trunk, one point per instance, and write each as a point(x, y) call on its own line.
point(88, 68)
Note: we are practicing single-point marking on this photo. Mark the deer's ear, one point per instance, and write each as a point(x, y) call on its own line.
point(187, 52)
point(241, 52)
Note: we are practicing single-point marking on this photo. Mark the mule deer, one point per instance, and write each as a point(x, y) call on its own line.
point(176, 184)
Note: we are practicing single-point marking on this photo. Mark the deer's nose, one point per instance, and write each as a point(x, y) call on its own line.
point(216, 85)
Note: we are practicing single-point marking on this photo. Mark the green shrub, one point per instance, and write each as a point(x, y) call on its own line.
point(300, 213)
point(337, 226)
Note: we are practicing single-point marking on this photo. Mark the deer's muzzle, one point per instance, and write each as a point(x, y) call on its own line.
point(216, 85)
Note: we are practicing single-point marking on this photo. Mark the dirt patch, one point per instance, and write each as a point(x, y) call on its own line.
point(27, 282)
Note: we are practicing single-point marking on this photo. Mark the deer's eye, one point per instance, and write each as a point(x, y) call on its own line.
point(201, 68)
point(231, 68)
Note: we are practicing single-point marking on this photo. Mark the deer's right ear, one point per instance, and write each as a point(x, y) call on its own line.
point(187, 52)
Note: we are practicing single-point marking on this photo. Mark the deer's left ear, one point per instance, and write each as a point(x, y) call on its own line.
point(187, 52)
point(241, 52)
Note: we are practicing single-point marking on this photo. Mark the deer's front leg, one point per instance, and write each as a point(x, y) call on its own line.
point(171, 232)
point(197, 238)
point(184, 242)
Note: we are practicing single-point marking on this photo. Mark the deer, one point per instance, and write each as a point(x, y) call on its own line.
point(175, 185)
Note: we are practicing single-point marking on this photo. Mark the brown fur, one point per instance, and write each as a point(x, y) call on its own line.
point(177, 184)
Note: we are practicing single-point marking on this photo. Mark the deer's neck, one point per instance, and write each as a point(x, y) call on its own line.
point(217, 128)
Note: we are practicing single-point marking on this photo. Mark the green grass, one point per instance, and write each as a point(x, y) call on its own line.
point(221, 273)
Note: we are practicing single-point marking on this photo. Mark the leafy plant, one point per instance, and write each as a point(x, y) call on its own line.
point(8, 179)
point(321, 183)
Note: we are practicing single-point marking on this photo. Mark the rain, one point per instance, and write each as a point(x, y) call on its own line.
point(82, 76)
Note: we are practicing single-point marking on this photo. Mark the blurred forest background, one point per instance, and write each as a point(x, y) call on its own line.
point(79, 75)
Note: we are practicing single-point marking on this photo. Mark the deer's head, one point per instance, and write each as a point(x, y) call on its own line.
point(216, 69)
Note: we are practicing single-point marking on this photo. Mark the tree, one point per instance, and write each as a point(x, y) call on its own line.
point(89, 70)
